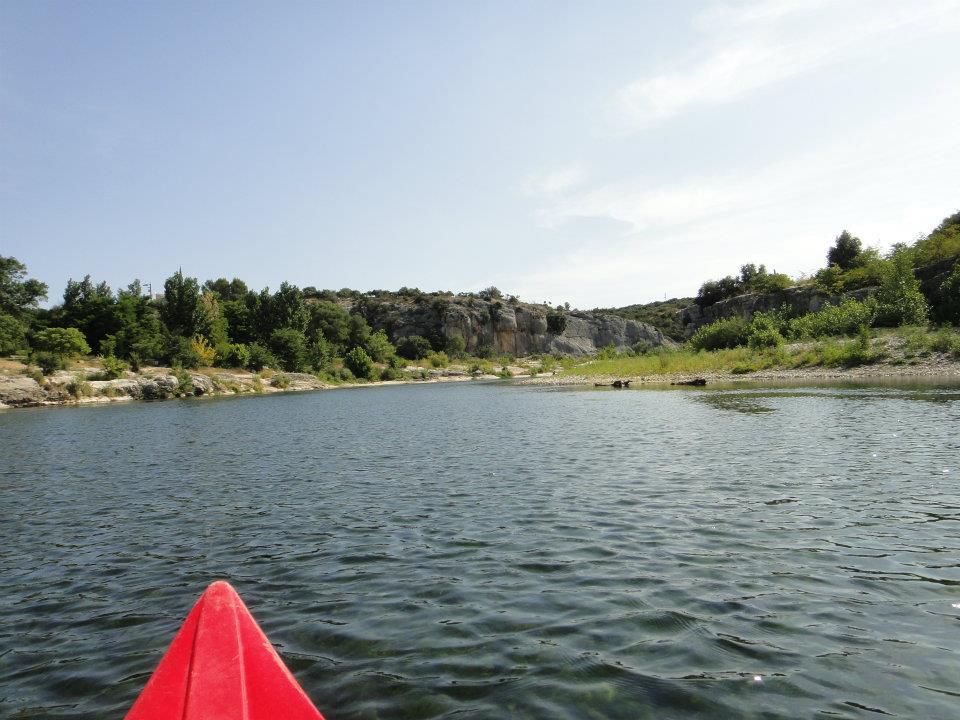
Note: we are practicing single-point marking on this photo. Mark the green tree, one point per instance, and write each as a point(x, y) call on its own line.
point(89, 307)
point(13, 335)
point(948, 305)
point(414, 347)
point(378, 346)
point(331, 321)
point(289, 346)
point(66, 342)
point(845, 251)
point(899, 300)
point(139, 337)
point(181, 309)
point(360, 364)
point(18, 294)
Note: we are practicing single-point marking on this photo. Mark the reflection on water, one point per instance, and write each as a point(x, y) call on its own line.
point(485, 550)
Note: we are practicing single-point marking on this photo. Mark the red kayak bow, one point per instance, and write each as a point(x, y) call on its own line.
point(220, 666)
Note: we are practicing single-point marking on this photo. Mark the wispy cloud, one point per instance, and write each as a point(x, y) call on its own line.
point(551, 183)
point(886, 182)
point(747, 46)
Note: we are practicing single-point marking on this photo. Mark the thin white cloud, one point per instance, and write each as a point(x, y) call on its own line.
point(554, 182)
point(751, 45)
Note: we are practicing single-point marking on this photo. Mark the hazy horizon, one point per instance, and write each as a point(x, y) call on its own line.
point(598, 154)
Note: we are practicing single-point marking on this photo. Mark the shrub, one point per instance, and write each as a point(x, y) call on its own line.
point(607, 352)
point(35, 374)
point(505, 373)
point(946, 341)
point(378, 346)
point(484, 352)
point(343, 374)
point(320, 354)
point(414, 347)
point(289, 347)
point(843, 319)
point(360, 364)
point(184, 381)
point(948, 305)
point(396, 362)
point(456, 345)
point(439, 359)
point(80, 389)
point(899, 300)
point(66, 342)
point(764, 331)
point(233, 355)
point(185, 354)
point(260, 357)
point(391, 373)
point(48, 362)
point(204, 351)
point(280, 381)
point(726, 333)
point(556, 323)
point(113, 368)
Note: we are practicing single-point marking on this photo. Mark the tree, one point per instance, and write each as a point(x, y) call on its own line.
point(13, 336)
point(845, 251)
point(90, 308)
point(139, 336)
point(414, 347)
point(17, 294)
point(359, 363)
point(289, 346)
point(66, 342)
point(378, 346)
point(181, 311)
point(899, 300)
point(331, 321)
point(948, 305)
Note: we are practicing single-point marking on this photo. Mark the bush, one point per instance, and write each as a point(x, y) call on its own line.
point(205, 353)
point(289, 347)
point(456, 345)
point(184, 381)
point(948, 305)
point(13, 335)
point(80, 389)
point(414, 347)
point(360, 364)
point(48, 362)
point(233, 355)
point(843, 319)
point(378, 346)
point(607, 352)
point(113, 368)
point(899, 300)
point(320, 354)
point(280, 381)
point(66, 342)
point(260, 358)
point(556, 323)
point(439, 359)
point(764, 331)
point(185, 354)
point(391, 373)
point(726, 333)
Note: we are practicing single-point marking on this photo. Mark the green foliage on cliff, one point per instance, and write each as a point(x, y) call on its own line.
point(662, 314)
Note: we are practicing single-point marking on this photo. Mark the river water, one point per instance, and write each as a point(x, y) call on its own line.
point(485, 550)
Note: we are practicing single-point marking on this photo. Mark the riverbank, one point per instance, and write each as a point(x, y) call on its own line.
point(84, 385)
point(905, 354)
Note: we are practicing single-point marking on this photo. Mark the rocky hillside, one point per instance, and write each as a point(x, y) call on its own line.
point(503, 327)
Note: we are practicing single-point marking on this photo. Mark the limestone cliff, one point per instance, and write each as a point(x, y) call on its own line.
point(503, 327)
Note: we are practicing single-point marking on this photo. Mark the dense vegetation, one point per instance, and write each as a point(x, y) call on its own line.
point(219, 323)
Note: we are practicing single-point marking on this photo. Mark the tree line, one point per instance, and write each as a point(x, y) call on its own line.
point(221, 322)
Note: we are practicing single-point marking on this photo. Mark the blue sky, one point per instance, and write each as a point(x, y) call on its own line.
point(601, 153)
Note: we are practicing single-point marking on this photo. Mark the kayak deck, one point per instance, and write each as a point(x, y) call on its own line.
point(221, 666)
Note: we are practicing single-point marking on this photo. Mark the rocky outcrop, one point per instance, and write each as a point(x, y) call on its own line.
point(20, 391)
point(502, 327)
point(796, 301)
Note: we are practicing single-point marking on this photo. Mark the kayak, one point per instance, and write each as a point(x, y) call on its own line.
point(220, 666)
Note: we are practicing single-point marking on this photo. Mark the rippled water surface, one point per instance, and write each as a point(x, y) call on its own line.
point(489, 551)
